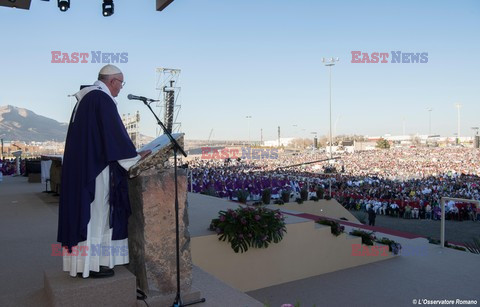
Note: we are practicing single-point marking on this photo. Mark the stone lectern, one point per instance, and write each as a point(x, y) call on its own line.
point(151, 227)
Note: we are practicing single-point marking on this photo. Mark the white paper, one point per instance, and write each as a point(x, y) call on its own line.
point(160, 142)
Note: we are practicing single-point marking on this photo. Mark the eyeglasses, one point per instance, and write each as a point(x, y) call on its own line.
point(123, 82)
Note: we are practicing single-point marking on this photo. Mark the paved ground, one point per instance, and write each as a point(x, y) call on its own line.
point(455, 231)
point(28, 222)
point(28, 227)
point(422, 271)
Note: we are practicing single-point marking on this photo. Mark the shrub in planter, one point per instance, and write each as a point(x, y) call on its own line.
point(474, 246)
point(286, 196)
point(249, 227)
point(320, 191)
point(299, 201)
point(460, 248)
point(266, 196)
point(304, 194)
point(367, 237)
point(393, 246)
point(335, 227)
point(242, 196)
point(314, 198)
point(210, 191)
point(327, 197)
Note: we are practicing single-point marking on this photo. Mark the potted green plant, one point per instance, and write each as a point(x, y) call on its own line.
point(393, 246)
point(367, 237)
point(335, 227)
point(266, 196)
point(249, 227)
point(320, 191)
point(304, 194)
point(210, 192)
point(242, 196)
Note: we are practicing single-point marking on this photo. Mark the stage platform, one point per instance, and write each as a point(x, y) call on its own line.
point(29, 223)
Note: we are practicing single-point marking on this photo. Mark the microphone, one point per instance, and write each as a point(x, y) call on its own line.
point(144, 99)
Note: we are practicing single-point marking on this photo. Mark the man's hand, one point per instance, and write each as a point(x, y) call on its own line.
point(144, 153)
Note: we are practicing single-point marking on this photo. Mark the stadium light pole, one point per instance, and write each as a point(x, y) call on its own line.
point(458, 105)
point(303, 140)
point(295, 135)
point(248, 117)
point(330, 62)
point(314, 138)
point(475, 137)
point(429, 121)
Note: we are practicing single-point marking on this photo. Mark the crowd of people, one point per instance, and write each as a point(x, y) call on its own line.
point(406, 182)
point(402, 182)
point(9, 166)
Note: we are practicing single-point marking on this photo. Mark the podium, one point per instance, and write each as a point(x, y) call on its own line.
point(151, 227)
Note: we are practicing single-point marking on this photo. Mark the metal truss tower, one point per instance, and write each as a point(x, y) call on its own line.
point(167, 84)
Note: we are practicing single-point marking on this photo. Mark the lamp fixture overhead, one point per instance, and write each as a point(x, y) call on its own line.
point(63, 5)
point(107, 8)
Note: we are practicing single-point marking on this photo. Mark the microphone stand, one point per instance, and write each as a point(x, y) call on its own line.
point(176, 147)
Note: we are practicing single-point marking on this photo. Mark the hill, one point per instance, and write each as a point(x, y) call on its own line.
point(20, 124)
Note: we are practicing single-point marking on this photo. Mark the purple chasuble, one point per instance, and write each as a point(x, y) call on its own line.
point(96, 138)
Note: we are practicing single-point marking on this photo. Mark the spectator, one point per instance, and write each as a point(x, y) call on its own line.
point(371, 217)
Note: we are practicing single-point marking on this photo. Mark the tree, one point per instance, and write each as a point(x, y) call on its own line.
point(383, 144)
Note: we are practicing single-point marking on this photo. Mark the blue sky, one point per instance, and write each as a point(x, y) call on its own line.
point(257, 58)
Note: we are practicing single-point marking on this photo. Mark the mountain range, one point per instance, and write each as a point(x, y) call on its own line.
point(19, 124)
